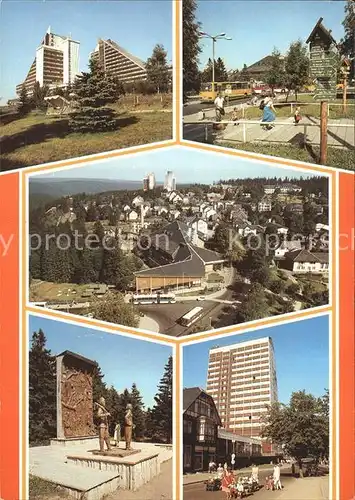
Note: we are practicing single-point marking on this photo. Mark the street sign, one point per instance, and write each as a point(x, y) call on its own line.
point(325, 89)
point(324, 61)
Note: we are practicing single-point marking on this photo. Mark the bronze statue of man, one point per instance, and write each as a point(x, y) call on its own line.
point(128, 421)
point(102, 415)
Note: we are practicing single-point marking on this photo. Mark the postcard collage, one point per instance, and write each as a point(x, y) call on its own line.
point(177, 200)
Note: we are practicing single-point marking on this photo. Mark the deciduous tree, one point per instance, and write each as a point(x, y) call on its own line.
point(300, 427)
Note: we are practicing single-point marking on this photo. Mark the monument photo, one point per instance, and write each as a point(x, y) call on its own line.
point(95, 425)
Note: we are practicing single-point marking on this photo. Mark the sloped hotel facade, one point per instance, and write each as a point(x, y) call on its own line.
point(175, 261)
point(119, 62)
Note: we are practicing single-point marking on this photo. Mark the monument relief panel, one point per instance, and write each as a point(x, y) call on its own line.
point(74, 396)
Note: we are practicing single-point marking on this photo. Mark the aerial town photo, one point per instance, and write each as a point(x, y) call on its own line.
point(162, 242)
point(98, 428)
point(278, 80)
point(256, 414)
point(80, 85)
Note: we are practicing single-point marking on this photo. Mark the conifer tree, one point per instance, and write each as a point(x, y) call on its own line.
point(161, 413)
point(158, 70)
point(191, 48)
point(42, 391)
point(138, 412)
point(25, 102)
point(93, 91)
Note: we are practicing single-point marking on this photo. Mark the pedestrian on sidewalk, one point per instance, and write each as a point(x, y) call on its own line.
point(277, 477)
point(211, 466)
point(269, 113)
point(227, 481)
point(255, 473)
point(220, 471)
point(219, 105)
point(297, 115)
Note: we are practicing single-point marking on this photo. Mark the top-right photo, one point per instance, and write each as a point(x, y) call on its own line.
point(275, 78)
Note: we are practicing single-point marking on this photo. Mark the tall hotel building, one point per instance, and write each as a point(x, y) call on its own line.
point(149, 182)
point(170, 181)
point(56, 63)
point(242, 381)
point(118, 62)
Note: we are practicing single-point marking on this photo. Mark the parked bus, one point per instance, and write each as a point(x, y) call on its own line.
point(191, 316)
point(154, 298)
point(230, 90)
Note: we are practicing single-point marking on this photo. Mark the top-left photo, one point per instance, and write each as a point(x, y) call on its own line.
point(80, 78)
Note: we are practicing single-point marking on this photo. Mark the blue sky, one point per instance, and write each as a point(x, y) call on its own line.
point(123, 360)
point(189, 165)
point(301, 352)
point(135, 25)
point(256, 27)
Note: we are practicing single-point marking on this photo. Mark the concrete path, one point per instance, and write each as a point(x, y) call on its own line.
point(342, 137)
point(312, 488)
point(50, 463)
point(159, 488)
point(147, 323)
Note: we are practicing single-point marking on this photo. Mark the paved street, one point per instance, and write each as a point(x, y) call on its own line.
point(313, 488)
point(343, 137)
point(195, 107)
point(159, 488)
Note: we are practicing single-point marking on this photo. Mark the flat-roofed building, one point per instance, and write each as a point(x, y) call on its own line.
point(56, 63)
point(242, 381)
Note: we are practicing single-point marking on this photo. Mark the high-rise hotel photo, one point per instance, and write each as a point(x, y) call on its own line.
point(80, 84)
point(256, 404)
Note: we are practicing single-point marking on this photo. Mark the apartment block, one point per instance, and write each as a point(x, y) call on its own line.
point(170, 181)
point(118, 62)
point(242, 381)
point(56, 63)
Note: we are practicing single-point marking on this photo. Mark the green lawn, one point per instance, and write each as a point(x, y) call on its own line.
point(39, 489)
point(338, 158)
point(37, 138)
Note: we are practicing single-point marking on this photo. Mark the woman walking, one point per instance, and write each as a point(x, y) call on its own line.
point(269, 113)
point(277, 477)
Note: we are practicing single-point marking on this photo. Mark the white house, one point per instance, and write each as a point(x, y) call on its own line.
point(264, 205)
point(270, 189)
point(132, 215)
point(208, 213)
point(304, 261)
point(200, 226)
point(126, 208)
point(137, 201)
point(287, 246)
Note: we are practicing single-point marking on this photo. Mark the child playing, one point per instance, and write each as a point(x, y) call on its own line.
point(297, 115)
point(235, 116)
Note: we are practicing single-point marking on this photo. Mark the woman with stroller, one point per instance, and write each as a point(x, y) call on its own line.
point(227, 482)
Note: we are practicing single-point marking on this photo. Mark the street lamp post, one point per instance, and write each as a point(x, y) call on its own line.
point(214, 38)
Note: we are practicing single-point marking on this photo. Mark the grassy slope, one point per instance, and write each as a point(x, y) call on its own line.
point(39, 139)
